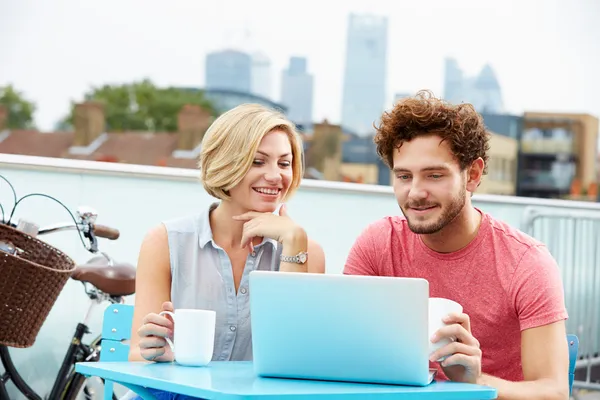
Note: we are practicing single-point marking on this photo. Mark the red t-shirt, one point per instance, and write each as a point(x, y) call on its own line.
point(505, 280)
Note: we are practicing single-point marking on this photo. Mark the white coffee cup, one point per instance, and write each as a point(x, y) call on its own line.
point(438, 309)
point(194, 336)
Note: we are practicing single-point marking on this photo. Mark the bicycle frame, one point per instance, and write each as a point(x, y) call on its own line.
point(76, 352)
point(61, 381)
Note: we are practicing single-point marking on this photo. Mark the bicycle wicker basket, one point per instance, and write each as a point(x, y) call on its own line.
point(30, 283)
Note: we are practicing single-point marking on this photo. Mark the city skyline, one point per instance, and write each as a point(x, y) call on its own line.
point(546, 51)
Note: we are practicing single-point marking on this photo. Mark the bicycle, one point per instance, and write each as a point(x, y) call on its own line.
point(102, 278)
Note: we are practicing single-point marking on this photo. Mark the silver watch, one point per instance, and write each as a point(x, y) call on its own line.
point(299, 258)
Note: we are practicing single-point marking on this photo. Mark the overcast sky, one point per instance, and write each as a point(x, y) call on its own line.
point(546, 53)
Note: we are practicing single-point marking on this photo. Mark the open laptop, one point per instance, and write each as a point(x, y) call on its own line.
point(340, 327)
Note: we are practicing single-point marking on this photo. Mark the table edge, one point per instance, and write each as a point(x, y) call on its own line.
point(91, 368)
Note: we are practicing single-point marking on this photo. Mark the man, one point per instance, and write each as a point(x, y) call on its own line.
point(511, 335)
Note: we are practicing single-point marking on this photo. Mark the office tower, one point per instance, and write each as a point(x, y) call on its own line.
point(482, 91)
point(229, 69)
point(262, 77)
point(365, 72)
point(297, 91)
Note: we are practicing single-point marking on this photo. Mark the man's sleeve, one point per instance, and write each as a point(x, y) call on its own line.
point(362, 259)
point(537, 289)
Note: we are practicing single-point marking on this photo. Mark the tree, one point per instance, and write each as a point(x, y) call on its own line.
point(141, 106)
point(20, 110)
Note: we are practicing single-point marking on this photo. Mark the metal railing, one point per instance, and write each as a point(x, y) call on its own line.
point(573, 238)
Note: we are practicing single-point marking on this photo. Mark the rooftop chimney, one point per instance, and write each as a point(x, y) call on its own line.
point(325, 151)
point(192, 122)
point(89, 122)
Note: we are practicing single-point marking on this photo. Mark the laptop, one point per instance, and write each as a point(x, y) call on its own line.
point(368, 329)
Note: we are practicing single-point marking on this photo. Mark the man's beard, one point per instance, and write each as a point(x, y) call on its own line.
point(448, 215)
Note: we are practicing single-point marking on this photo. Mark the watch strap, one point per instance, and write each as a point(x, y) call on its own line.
point(299, 258)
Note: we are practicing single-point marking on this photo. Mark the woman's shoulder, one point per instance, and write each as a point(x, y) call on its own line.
point(183, 224)
point(191, 223)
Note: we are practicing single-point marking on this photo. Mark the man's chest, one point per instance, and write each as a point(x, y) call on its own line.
point(474, 284)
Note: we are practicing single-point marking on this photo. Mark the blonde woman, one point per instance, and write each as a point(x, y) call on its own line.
point(251, 160)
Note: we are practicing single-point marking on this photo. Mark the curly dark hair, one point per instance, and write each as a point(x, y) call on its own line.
point(423, 115)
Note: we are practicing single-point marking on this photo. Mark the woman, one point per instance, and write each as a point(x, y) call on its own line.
point(251, 160)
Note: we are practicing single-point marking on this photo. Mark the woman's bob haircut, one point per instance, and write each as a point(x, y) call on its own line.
point(230, 144)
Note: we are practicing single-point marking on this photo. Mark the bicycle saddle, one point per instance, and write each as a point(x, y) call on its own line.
point(115, 280)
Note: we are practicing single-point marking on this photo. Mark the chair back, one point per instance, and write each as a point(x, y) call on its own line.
point(573, 342)
point(116, 331)
point(116, 328)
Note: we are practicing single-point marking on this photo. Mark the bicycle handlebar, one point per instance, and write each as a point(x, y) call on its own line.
point(86, 224)
point(106, 232)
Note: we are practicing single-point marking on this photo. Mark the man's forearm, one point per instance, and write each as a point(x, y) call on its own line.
point(542, 389)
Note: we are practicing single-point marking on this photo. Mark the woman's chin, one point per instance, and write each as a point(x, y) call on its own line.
point(264, 208)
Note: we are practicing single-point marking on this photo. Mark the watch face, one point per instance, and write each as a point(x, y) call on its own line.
point(302, 258)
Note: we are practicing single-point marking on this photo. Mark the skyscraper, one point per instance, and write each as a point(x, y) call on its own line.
point(453, 82)
point(365, 72)
point(297, 91)
point(229, 69)
point(261, 75)
point(487, 96)
point(482, 91)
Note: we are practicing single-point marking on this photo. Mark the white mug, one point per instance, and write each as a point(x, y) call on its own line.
point(194, 336)
point(438, 309)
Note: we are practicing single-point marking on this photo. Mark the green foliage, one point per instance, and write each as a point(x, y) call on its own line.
point(141, 106)
point(20, 110)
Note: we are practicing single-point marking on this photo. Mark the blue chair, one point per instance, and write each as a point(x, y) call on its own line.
point(116, 328)
point(573, 342)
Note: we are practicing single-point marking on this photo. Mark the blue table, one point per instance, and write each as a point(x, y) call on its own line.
point(237, 380)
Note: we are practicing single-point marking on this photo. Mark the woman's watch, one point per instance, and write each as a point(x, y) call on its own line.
point(299, 258)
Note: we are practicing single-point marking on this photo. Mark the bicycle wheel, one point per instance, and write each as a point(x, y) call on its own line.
point(80, 388)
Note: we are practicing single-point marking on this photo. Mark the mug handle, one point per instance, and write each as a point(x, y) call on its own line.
point(169, 340)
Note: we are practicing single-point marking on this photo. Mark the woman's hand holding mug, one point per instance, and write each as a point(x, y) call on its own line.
point(194, 336)
point(154, 332)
